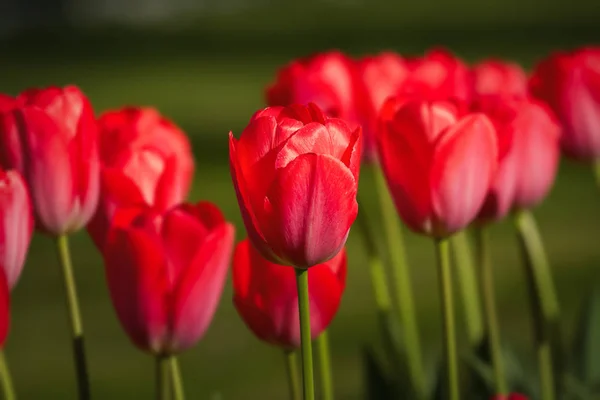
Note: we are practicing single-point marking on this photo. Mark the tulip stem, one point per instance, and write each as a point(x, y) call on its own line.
point(7, 385)
point(291, 366)
point(465, 267)
point(491, 315)
point(445, 281)
point(62, 244)
point(325, 366)
point(402, 282)
point(305, 333)
point(544, 301)
point(162, 377)
point(176, 381)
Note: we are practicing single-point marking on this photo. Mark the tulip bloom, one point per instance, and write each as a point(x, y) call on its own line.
point(265, 295)
point(4, 308)
point(295, 172)
point(166, 272)
point(496, 77)
point(16, 224)
point(50, 137)
point(570, 84)
point(528, 150)
point(438, 75)
point(512, 396)
point(438, 167)
point(146, 160)
point(325, 79)
point(378, 77)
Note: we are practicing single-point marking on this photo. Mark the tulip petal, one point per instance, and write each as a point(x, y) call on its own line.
point(199, 291)
point(4, 308)
point(464, 163)
point(135, 272)
point(310, 208)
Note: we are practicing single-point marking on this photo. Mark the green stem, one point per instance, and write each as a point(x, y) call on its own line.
point(383, 299)
point(446, 296)
point(7, 384)
point(162, 377)
point(291, 367)
point(403, 286)
point(325, 366)
point(176, 381)
point(83, 384)
point(305, 333)
point(463, 261)
point(491, 315)
point(544, 302)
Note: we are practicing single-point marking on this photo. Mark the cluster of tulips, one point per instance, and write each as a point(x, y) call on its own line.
point(452, 149)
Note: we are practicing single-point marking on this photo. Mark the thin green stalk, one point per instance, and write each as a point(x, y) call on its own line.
point(176, 380)
point(325, 366)
point(402, 282)
point(305, 335)
point(381, 292)
point(544, 302)
point(467, 279)
point(446, 297)
point(7, 385)
point(64, 256)
point(162, 377)
point(491, 314)
point(291, 367)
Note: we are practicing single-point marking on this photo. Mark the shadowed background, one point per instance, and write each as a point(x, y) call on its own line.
point(204, 65)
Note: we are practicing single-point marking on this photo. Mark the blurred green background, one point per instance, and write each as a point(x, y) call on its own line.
point(206, 69)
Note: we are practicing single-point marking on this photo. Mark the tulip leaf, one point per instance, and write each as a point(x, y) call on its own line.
point(586, 347)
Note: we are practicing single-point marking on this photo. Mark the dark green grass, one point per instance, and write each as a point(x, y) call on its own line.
point(209, 92)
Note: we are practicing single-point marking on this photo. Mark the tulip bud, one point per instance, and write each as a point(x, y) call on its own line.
point(4, 308)
point(145, 160)
point(166, 273)
point(570, 84)
point(295, 172)
point(16, 224)
point(512, 396)
point(266, 298)
point(438, 167)
point(50, 137)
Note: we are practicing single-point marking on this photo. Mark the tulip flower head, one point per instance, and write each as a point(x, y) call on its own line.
point(438, 166)
point(50, 137)
point(496, 77)
point(145, 160)
point(16, 224)
point(265, 295)
point(295, 173)
point(166, 273)
point(570, 84)
point(512, 396)
point(528, 153)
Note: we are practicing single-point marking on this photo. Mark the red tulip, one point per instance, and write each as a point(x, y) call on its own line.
point(295, 172)
point(512, 396)
point(266, 298)
point(495, 77)
point(166, 272)
point(378, 77)
point(438, 75)
point(50, 137)
point(146, 160)
point(325, 79)
point(529, 153)
point(4, 308)
point(6, 102)
point(438, 167)
point(16, 224)
point(570, 84)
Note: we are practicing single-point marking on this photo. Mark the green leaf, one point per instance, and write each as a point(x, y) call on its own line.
point(586, 347)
